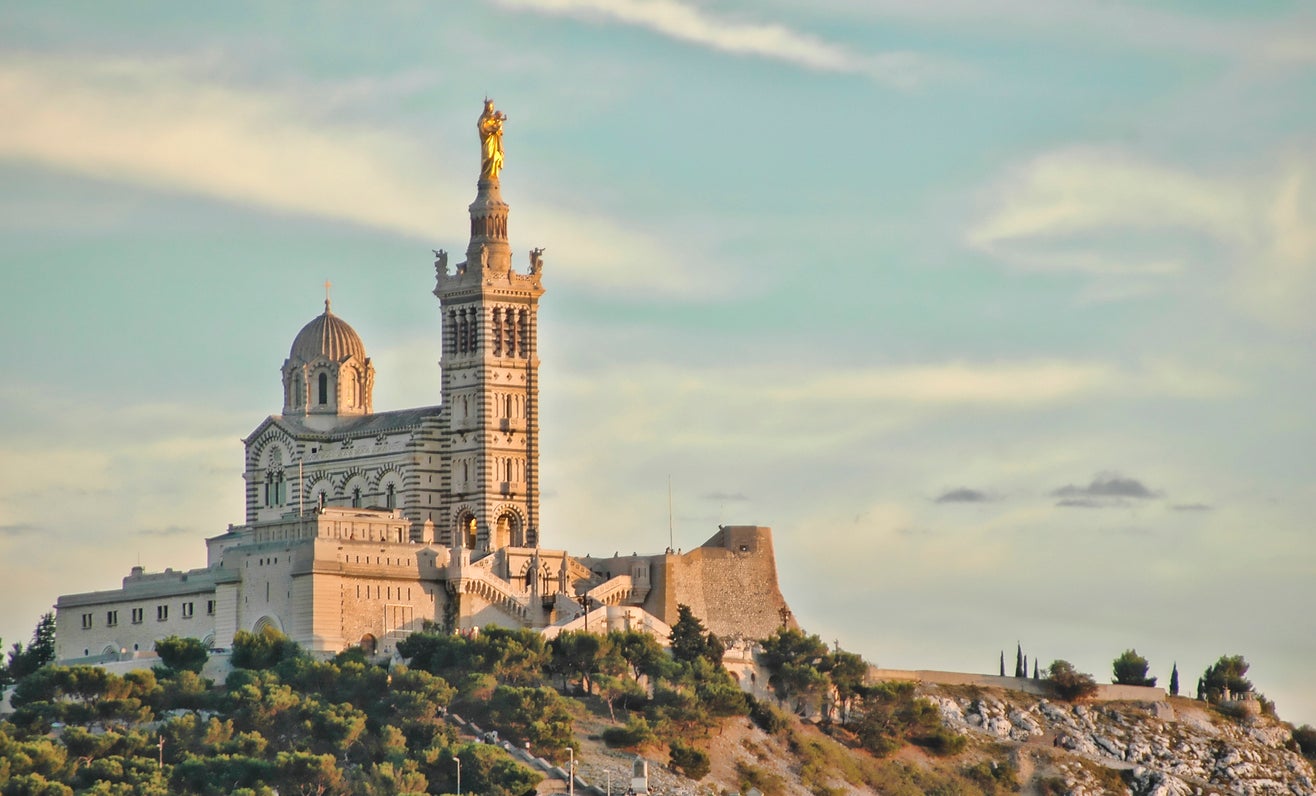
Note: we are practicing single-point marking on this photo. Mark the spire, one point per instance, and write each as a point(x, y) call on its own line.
point(327, 285)
point(488, 253)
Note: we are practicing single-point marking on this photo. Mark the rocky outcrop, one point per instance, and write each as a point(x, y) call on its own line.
point(1174, 748)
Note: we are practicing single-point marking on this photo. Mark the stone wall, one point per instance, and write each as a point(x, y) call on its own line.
point(1105, 693)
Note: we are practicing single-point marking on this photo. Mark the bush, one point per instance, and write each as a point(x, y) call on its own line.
point(636, 732)
point(263, 650)
point(1069, 683)
point(690, 762)
point(992, 776)
point(767, 717)
point(1304, 738)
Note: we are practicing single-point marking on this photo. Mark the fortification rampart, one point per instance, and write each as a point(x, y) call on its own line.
point(729, 582)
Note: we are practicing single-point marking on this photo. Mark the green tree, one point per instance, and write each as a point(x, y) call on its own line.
point(1174, 679)
point(691, 640)
point(1002, 663)
point(1130, 668)
point(578, 652)
point(797, 666)
point(1069, 683)
point(40, 652)
point(1019, 661)
point(263, 650)
point(641, 651)
point(1227, 672)
point(182, 654)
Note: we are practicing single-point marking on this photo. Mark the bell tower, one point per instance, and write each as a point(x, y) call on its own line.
point(490, 373)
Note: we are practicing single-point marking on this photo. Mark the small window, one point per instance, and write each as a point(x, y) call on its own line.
point(137, 615)
point(356, 498)
point(111, 618)
point(187, 610)
point(161, 613)
point(324, 389)
point(210, 607)
point(390, 497)
point(86, 621)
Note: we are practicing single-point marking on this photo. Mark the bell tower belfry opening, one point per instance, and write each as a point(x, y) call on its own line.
point(490, 373)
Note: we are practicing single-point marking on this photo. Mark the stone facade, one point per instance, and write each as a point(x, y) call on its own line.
point(364, 526)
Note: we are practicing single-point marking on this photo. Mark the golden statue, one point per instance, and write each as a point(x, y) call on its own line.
point(491, 141)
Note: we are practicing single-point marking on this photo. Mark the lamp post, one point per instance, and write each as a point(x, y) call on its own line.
point(458, 761)
point(571, 772)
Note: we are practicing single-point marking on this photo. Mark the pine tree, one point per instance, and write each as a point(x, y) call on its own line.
point(1019, 661)
point(1174, 680)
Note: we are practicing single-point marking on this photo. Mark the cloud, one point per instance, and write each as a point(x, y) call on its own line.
point(19, 529)
point(692, 25)
point(724, 497)
point(1192, 507)
point(1105, 490)
point(1137, 224)
point(962, 495)
point(172, 530)
point(152, 123)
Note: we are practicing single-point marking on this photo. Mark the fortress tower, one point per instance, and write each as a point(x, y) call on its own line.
point(490, 374)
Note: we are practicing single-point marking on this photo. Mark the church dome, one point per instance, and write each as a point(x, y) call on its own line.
point(327, 336)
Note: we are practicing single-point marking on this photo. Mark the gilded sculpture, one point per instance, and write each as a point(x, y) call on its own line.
point(491, 141)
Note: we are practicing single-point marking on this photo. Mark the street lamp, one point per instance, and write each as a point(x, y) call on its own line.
point(458, 761)
point(571, 772)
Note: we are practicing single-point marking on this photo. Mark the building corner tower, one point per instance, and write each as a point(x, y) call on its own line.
point(490, 369)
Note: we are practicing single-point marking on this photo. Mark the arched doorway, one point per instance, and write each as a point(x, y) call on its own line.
point(368, 644)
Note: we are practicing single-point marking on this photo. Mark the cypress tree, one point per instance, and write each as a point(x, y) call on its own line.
point(1035, 677)
point(1002, 663)
point(1019, 661)
point(1025, 674)
point(1174, 680)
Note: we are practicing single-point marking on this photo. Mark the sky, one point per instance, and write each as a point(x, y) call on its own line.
point(998, 313)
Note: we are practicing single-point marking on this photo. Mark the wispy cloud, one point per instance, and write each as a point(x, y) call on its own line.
point(156, 124)
point(1192, 507)
point(1134, 223)
point(724, 497)
point(691, 24)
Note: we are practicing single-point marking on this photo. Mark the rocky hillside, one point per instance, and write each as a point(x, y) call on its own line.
point(1180, 746)
point(1017, 743)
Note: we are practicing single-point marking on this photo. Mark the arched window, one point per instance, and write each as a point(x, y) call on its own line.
point(356, 498)
point(390, 497)
point(324, 389)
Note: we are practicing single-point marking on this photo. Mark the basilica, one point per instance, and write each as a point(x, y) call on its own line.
point(364, 526)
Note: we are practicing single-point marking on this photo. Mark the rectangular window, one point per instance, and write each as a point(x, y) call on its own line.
point(187, 610)
point(86, 621)
point(161, 613)
point(137, 615)
point(210, 607)
point(111, 618)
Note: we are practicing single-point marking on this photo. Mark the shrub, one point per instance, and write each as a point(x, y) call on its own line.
point(1304, 738)
point(1069, 683)
point(767, 717)
point(1227, 672)
point(636, 732)
point(690, 762)
point(992, 776)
